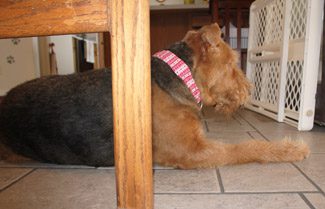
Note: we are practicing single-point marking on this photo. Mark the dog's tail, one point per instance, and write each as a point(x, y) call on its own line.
point(215, 154)
point(262, 151)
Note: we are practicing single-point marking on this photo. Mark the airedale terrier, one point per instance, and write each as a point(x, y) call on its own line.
point(68, 119)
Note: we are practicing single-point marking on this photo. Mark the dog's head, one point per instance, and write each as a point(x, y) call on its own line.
point(222, 83)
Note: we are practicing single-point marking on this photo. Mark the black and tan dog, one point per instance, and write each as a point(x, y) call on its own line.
point(68, 119)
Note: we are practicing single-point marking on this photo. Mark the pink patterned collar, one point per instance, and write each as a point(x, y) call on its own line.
point(182, 70)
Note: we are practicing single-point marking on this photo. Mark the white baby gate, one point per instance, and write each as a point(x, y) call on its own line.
point(283, 59)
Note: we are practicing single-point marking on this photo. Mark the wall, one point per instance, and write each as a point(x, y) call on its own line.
point(64, 53)
point(17, 62)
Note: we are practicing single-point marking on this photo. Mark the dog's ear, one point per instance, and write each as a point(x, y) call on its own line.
point(212, 39)
point(211, 35)
point(190, 34)
point(208, 38)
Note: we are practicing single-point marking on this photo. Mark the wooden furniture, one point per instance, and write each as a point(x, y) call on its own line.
point(167, 26)
point(128, 23)
point(170, 26)
point(225, 12)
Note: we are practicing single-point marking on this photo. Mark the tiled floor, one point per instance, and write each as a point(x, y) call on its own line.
point(252, 186)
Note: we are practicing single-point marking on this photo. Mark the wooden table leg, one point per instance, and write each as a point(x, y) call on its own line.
point(132, 103)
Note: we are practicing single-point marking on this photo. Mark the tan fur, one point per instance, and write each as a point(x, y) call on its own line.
point(178, 136)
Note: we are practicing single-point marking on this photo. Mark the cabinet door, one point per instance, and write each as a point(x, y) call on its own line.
point(18, 62)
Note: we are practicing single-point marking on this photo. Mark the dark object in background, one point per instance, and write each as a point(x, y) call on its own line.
point(81, 62)
point(320, 95)
point(53, 60)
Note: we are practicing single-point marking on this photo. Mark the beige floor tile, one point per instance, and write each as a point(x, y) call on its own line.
point(317, 200)
point(218, 123)
point(226, 135)
point(228, 125)
point(66, 189)
point(314, 168)
point(256, 135)
point(235, 117)
point(260, 201)
point(280, 177)
point(10, 175)
point(160, 167)
point(315, 139)
point(252, 201)
point(208, 113)
point(221, 119)
point(232, 137)
point(185, 201)
point(186, 181)
point(262, 122)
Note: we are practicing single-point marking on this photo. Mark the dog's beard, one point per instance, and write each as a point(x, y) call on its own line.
point(227, 107)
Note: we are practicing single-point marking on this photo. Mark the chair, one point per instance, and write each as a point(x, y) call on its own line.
point(128, 23)
point(236, 11)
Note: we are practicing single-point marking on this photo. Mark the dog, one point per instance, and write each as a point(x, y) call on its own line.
point(68, 119)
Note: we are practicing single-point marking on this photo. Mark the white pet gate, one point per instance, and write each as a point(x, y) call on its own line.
point(283, 59)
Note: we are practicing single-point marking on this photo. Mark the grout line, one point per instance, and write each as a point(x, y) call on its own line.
point(234, 193)
point(222, 188)
point(206, 126)
point(16, 180)
point(258, 131)
point(304, 198)
point(249, 133)
point(259, 137)
point(309, 179)
point(236, 119)
point(203, 114)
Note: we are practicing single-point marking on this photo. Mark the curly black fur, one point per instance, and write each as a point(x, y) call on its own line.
point(68, 119)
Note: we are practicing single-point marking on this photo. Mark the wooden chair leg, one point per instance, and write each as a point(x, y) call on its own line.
point(132, 103)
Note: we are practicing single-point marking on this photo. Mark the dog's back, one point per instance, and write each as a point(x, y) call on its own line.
point(61, 119)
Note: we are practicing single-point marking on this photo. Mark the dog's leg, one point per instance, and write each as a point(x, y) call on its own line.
point(184, 145)
point(212, 153)
point(179, 141)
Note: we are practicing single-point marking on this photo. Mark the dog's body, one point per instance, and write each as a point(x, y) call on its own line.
point(68, 119)
point(61, 119)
